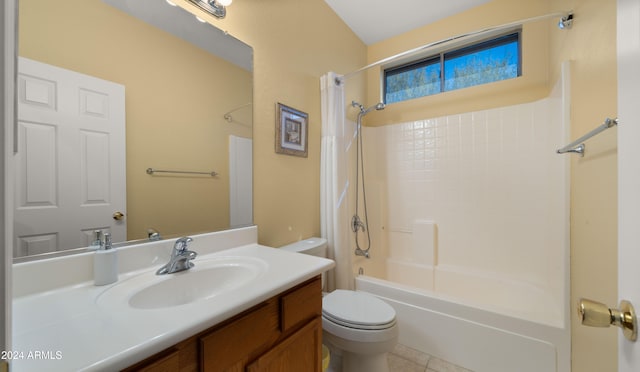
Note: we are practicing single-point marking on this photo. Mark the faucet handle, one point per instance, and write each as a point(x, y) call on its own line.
point(182, 243)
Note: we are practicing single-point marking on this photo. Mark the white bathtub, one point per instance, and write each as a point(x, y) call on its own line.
point(517, 328)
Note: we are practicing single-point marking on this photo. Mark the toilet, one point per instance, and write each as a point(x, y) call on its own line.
point(357, 326)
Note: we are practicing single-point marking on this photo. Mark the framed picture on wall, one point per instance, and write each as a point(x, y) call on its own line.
point(291, 131)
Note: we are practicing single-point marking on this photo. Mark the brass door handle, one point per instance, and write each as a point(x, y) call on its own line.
point(118, 216)
point(596, 314)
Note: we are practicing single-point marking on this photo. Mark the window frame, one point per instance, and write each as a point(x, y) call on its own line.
point(497, 39)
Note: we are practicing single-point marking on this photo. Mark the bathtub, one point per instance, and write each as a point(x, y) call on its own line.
point(517, 328)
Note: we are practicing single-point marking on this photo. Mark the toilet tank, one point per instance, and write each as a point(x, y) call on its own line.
point(313, 246)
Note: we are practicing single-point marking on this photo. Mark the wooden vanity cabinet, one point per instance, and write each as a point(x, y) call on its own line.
point(282, 334)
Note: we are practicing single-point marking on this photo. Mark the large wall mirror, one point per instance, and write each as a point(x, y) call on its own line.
point(116, 99)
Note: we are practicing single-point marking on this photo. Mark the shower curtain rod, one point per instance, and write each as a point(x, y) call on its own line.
point(422, 48)
point(227, 116)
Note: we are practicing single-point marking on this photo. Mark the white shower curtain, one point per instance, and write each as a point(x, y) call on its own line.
point(334, 183)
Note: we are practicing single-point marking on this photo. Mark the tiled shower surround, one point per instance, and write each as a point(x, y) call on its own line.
point(482, 193)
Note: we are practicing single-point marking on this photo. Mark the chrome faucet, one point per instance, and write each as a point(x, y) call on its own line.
point(180, 257)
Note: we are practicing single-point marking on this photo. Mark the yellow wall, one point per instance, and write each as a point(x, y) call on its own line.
point(590, 44)
point(295, 42)
point(174, 118)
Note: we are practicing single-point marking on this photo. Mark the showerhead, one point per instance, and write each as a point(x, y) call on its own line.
point(379, 106)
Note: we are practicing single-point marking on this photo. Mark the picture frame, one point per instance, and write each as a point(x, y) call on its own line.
point(291, 131)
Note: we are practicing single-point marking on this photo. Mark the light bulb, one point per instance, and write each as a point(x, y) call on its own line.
point(200, 19)
point(224, 2)
point(171, 3)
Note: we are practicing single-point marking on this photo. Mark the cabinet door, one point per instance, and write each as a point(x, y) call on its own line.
point(168, 362)
point(302, 351)
point(229, 348)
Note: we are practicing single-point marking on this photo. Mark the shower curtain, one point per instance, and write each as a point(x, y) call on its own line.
point(334, 182)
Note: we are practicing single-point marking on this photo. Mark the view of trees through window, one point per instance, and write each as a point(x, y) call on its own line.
point(481, 63)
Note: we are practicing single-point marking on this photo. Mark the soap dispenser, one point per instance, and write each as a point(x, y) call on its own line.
point(105, 263)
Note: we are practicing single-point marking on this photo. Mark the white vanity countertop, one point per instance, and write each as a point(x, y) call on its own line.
point(66, 329)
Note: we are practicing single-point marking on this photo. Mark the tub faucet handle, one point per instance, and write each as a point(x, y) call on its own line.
point(356, 224)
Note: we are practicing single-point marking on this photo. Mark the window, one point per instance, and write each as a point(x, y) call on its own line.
point(480, 63)
point(412, 81)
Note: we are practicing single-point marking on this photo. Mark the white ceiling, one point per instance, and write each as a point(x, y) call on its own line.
point(376, 20)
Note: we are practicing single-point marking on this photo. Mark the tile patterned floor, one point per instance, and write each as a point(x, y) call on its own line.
point(405, 359)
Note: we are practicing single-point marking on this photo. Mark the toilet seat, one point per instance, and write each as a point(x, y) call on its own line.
point(357, 310)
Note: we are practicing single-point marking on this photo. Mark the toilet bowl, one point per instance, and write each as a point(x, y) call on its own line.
point(361, 327)
point(357, 326)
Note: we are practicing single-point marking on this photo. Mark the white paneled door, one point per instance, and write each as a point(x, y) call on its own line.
point(240, 181)
point(628, 31)
point(70, 162)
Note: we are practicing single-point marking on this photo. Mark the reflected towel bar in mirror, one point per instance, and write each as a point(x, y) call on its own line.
point(152, 171)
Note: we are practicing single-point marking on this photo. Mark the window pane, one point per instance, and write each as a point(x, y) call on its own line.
point(482, 66)
point(480, 63)
point(417, 81)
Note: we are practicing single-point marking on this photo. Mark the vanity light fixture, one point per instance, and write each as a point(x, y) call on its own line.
point(217, 8)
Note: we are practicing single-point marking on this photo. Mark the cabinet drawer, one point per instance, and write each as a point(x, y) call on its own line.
point(301, 305)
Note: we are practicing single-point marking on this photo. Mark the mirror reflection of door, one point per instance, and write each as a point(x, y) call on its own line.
point(71, 159)
point(240, 181)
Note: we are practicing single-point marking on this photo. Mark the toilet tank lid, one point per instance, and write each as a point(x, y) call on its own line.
point(305, 244)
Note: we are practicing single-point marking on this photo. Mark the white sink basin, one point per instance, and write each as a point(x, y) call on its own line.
point(207, 279)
